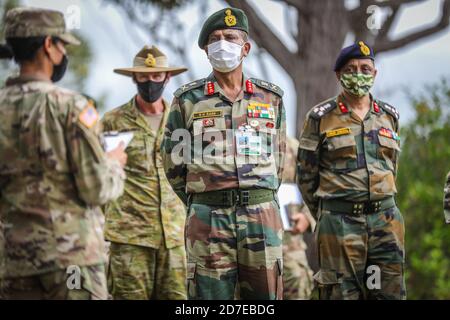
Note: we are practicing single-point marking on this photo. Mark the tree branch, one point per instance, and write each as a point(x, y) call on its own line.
point(264, 36)
point(384, 44)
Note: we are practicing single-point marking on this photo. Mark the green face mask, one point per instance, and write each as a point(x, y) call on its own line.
point(357, 84)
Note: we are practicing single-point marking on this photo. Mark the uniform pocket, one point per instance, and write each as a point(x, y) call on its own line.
point(328, 285)
point(341, 152)
point(388, 151)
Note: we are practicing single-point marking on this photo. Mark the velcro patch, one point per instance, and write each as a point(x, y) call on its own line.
point(338, 132)
point(207, 114)
point(89, 116)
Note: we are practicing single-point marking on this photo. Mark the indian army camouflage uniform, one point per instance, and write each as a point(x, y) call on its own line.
point(447, 200)
point(54, 175)
point(234, 236)
point(146, 224)
point(297, 275)
point(344, 163)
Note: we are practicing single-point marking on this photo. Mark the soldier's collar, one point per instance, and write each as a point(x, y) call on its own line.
point(24, 79)
point(344, 108)
point(212, 86)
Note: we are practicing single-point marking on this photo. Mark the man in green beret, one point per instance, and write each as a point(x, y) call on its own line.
point(146, 224)
point(234, 127)
point(54, 173)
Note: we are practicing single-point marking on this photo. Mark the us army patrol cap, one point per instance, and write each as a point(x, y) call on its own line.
point(150, 59)
point(358, 50)
point(228, 18)
point(25, 22)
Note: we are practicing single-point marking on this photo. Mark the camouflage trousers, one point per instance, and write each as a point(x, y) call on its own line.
point(234, 252)
point(58, 285)
point(297, 275)
point(361, 256)
point(142, 273)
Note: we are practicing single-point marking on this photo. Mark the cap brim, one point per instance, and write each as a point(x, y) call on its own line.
point(69, 38)
point(129, 71)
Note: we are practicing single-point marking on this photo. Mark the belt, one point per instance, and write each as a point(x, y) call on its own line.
point(233, 197)
point(357, 208)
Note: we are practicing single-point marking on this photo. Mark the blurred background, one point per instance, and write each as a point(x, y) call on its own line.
point(295, 44)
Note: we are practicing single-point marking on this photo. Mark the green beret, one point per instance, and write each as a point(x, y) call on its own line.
point(229, 18)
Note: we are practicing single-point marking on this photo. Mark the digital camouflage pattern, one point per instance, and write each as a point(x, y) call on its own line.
point(53, 176)
point(24, 22)
point(53, 286)
point(233, 252)
point(341, 156)
point(297, 275)
point(344, 157)
point(447, 199)
point(143, 273)
point(147, 215)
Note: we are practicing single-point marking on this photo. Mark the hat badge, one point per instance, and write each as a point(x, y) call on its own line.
point(364, 48)
point(230, 20)
point(150, 61)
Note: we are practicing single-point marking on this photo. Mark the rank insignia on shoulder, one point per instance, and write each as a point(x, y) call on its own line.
point(389, 109)
point(207, 114)
point(338, 132)
point(89, 116)
point(268, 86)
point(319, 111)
point(187, 87)
point(260, 110)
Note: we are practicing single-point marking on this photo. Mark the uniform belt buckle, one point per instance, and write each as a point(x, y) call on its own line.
point(245, 196)
point(358, 208)
point(376, 206)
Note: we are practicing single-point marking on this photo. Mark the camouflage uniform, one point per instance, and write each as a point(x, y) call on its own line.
point(229, 241)
point(53, 176)
point(447, 199)
point(297, 275)
point(347, 170)
point(146, 224)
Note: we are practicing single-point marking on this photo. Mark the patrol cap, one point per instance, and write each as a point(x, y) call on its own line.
point(25, 22)
point(228, 18)
point(358, 50)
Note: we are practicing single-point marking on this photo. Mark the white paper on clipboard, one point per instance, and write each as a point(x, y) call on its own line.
point(113, 139)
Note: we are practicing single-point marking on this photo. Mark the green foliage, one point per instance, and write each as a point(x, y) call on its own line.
point(424, 163)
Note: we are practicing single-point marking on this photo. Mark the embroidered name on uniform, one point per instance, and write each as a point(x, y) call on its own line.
point(260, 110)
point(338, 132)
point(207, 114)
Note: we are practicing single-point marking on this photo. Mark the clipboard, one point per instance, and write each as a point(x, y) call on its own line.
point(112, 139)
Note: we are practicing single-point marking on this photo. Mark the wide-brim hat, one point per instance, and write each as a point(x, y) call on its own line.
point(150, 59)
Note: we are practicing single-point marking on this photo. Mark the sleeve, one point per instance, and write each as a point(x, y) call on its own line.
point(397, 156)
point(447, 200)
point(173, 147)
point(308, 164)
point(281, 142)
point(98, 179)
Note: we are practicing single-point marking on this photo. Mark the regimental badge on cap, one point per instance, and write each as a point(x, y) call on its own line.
point(150, 61)
point(260, 110)
point(365, 50)
point(89, 116)
point(230, 20)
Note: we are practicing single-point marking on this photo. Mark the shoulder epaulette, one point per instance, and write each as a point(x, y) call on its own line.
point(187, 87)
point(268, 86)
point(323, 108)
point(389, 109)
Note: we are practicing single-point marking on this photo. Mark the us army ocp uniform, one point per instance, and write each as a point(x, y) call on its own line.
point(347, 170)
point(234, 231)
point(53, 176)
point(146, 224)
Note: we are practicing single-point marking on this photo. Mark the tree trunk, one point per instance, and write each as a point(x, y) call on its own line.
point(322, 32)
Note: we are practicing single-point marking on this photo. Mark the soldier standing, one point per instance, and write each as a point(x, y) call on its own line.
point(348, 158)
point(447, 200)
point(146, 224)
point(53, 171)
point(237, 125)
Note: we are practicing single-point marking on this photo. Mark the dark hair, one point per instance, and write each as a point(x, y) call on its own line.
point(23, 49)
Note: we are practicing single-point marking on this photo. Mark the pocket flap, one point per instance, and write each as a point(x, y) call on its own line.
point(388, 143)
point(340, 142)
point(308, 144)
point(326, 277)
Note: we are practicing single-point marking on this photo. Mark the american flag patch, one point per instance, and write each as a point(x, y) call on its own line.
point(89, 116)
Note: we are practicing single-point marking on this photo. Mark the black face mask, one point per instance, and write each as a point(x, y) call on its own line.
point(60, 69)
point(150, 91)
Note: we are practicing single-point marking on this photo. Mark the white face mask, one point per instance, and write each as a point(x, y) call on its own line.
point(224, 56)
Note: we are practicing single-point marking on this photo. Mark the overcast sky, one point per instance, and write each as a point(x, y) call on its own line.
point(107, 30)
